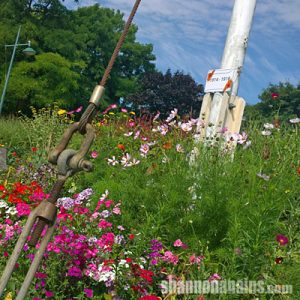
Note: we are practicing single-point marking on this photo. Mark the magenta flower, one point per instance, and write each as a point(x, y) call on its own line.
point(282, 239)
point(94, 154)
point(275, 95)
point(104, 224)
point(23, 209)
point(88, 293)
point(74, 272)
point(49, 294)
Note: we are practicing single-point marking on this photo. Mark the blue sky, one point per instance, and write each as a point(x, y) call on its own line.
point(190, 36)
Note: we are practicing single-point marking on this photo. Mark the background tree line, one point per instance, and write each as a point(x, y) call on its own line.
point(73, 49)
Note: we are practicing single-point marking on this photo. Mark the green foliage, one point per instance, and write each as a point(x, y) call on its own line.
point(83, 41)
point(286, 105)
point(161, 92)
point(40, 82)
point(219, 207)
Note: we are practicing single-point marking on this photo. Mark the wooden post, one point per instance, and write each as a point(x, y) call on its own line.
point(3, 159)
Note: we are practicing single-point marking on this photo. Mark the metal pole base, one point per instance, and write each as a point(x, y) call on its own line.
point(17, 251)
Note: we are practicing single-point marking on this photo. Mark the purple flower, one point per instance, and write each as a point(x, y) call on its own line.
point(119, 239)
point(84, 195)
point(65, 202)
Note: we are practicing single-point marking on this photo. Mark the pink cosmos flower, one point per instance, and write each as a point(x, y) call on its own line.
point(77, 110)
point(170, 257)
point(282, 239)
point(117, 210)
point(214, 278)
point(144, 149)
point(94, 154)
point(110, 107)
point(196, 259)
point(178, 243)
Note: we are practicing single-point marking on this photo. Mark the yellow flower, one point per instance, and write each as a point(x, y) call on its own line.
point(61, 112)
point(132, 112)
point(8, 296)
point(1, 145)
point(111, 113)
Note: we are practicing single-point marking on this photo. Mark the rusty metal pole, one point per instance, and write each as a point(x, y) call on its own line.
point(233, 56)
point(68, 163)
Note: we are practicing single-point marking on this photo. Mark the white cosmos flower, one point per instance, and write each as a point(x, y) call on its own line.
point(132, 163)
point(11, 211)
point(186, 127)
point(172, 115)
point(268, 126)
point(128, 134)
point(179, 148)
point(3, 204)
point(295, 121)
point(163, 129)
point(263, 176)
point(112, 161)
point(247, 145)
point(242, 138)
point(125, 160)
point(266, 132)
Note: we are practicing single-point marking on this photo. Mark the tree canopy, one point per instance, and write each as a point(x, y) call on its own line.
point(277, 100)
point(73, 50)
point(162, 92)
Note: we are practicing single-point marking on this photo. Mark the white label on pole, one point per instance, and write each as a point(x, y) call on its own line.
point(220, 80)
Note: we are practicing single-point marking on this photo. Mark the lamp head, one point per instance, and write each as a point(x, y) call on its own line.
point(29, 51)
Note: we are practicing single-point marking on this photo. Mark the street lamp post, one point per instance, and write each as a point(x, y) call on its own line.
point(28, 52)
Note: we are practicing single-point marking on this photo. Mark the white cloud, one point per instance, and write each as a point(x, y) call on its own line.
point(190, 36)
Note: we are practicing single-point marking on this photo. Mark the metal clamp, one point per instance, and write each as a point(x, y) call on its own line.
point(97, 95)
point(70, 161)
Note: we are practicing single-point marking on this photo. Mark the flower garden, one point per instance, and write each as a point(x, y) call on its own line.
point(157, 209)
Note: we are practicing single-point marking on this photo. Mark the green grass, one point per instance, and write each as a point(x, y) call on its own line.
point(219, 206)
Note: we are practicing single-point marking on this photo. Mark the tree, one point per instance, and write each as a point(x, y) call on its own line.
point(282, 99)
point(163, 92)
point(85, 38)
point(48, 79)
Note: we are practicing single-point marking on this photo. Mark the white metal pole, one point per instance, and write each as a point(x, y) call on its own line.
point(233, 55)
point(237, 37)
point(9, 70)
